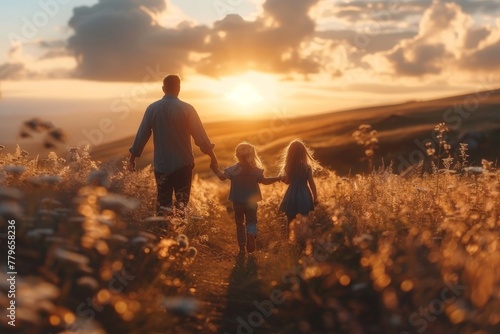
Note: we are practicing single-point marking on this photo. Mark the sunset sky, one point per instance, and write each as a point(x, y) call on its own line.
point(243, 57)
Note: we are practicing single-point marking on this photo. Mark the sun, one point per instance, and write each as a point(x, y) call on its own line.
point(244, 95)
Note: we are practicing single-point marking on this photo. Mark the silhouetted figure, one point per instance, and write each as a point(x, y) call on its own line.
point(172, 123)
point(297, 171)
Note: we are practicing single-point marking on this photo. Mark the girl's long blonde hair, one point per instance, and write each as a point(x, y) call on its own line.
point(297, 157)
point(246, 152)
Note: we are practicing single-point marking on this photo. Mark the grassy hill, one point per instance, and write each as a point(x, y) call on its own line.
point(402, 130)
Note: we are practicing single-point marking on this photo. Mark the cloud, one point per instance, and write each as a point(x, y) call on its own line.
point(370, 43)
point(439, 43)
point(12, 71)
point(484, 59)
point(271, 43)
point(479, 6)
point(475, 36)
point(124, 40)
point(116, 40)
point(425, 59)
point(356, 11)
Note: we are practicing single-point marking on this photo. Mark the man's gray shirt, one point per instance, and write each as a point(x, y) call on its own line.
point(173, 123)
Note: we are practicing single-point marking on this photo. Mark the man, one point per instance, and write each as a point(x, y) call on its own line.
point(173, 123)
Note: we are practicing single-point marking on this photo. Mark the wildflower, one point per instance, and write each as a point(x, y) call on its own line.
point(183, 241)
point(363, 237)
point(10, 209)
point(474, 170)
point(73, 155)
point(118, 203)
point(46, 180)
point(9, 194)
point(36, 124)
point(191, 252)
point(367, 137)
point(430, 150)
point(140, 239)
point(15, 170)
point(487, 165)
point(99, 178)
point(71, 257)
point(181, 305)
point(24, 134)
point(58, 135)
point(37, 233)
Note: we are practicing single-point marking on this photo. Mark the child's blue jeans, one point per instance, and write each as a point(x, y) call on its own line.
point(245, 214)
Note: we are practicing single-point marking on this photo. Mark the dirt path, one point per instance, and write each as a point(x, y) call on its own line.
point(229, 285)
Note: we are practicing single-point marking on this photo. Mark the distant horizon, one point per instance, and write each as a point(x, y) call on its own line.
point(11, 121)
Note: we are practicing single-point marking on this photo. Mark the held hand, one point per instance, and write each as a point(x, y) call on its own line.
point(214, 165)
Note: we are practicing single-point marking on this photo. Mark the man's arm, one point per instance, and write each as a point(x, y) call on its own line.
point(220, 174)
point(200, 137)
point(141, 139)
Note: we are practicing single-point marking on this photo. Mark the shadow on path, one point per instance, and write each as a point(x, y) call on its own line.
point(244, 291)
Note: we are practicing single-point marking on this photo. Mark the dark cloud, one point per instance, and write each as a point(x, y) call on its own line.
point(476, 36)
point(9, 71)
point(485, 59)
point(118, 39)
point(479, 6)
point(425, 59)
point(370, 43)
point(435, 46)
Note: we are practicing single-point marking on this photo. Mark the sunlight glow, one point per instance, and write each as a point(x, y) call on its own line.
point(244, 94)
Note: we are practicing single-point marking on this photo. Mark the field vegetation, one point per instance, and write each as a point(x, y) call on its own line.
point(381, 253)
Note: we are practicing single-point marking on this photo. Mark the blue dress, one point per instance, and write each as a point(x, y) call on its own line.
point(298, 197)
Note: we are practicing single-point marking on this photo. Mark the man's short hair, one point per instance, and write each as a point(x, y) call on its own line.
point(171, 82)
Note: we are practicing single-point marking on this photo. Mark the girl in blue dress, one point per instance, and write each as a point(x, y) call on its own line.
point(297, 169)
